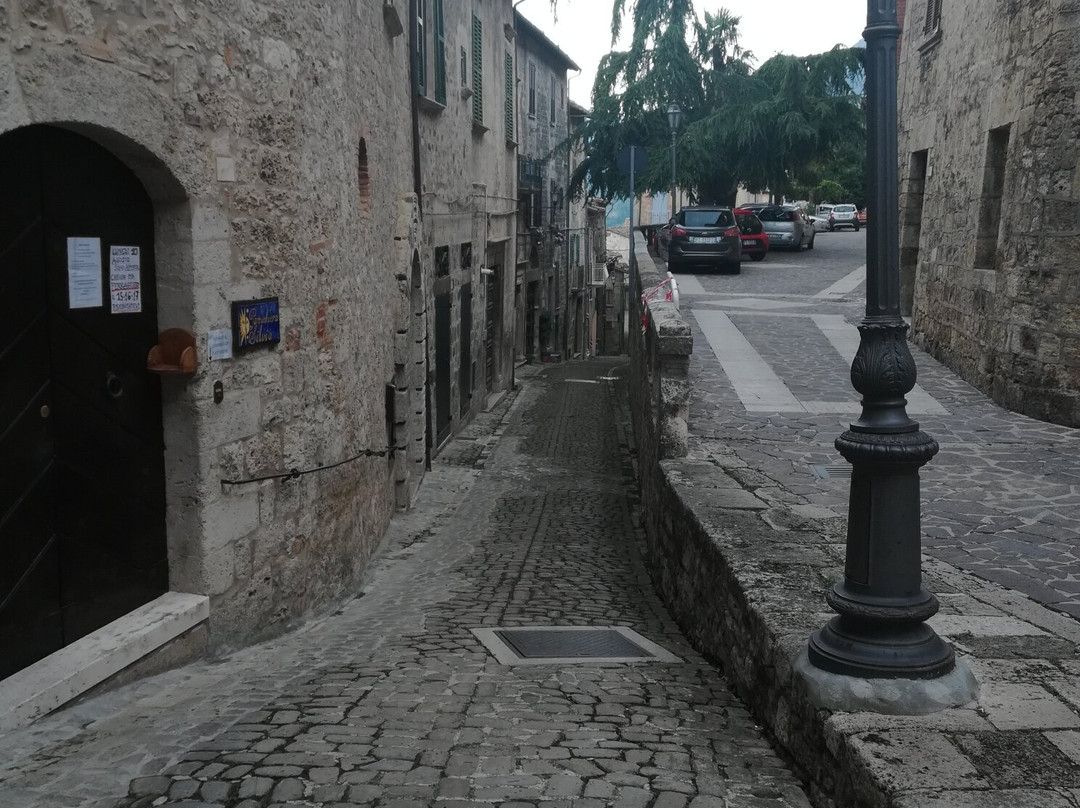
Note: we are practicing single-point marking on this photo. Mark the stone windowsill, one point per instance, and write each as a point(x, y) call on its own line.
point(430, 105)
point(479, 129)
point(930, 42)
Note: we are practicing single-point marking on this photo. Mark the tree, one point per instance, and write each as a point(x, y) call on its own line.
point(768, 129)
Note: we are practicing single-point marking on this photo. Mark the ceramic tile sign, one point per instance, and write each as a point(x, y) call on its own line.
point(84, 272)
point(255, 323)
point(125, 289)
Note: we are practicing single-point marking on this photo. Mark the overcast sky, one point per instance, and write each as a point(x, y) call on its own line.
point(796, 27)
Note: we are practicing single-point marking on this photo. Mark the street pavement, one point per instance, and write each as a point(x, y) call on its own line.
point(527, 519)
point(770, 381)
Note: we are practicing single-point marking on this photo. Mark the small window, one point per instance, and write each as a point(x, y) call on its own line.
point(442, 262)
point(466, 256)
point(363, 179)
point(552, 97)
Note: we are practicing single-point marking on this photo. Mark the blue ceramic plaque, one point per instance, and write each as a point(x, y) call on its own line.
point(255, 323)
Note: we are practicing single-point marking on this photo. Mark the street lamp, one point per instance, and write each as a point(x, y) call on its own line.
point(674, 117)
point(880, 632)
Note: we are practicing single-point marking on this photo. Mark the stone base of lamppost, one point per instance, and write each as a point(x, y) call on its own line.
point(852, 694)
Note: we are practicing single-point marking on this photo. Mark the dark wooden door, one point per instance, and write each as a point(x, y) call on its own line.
point(82, 492)
point(443, 416)
point(491, 308)
point(465, 376)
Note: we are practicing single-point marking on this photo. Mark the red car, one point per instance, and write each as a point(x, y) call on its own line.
point(755, 241)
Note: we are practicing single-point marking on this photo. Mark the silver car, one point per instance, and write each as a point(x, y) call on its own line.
point(788, 228)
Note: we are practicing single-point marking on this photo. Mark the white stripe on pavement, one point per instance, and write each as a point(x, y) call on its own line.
point(758, 387)
point(848, 283)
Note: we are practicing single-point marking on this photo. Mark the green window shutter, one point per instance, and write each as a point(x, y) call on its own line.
point(421, 47)
point(509, 103)
point(440, 53)
point(477, 70)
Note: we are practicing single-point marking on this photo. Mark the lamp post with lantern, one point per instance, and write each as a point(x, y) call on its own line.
point(674, 117)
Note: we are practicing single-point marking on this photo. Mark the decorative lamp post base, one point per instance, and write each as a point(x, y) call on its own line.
point(854, 694)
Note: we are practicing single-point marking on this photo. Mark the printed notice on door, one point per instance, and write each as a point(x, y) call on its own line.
point(84, 272)
point(125, 290)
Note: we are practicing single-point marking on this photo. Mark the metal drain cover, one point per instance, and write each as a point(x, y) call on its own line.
point(538, 645)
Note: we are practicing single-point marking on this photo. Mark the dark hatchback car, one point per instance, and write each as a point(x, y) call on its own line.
point(702, 234)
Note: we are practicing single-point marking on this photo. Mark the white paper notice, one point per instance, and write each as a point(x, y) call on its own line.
point(84, 272)
point(220, 343)
point(125, 290)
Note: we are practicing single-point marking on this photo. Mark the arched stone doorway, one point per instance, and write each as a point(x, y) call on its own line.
point(82, 482)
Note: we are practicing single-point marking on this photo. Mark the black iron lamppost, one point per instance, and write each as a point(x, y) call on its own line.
point(674, 117)
point(880, 631)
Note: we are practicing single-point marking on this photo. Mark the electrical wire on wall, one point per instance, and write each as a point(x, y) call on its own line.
point(294, 474)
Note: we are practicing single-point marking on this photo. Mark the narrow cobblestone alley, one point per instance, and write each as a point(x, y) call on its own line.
point(526, 520)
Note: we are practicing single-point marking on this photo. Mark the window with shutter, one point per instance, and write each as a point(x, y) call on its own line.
point(464, 68)
point(933, 17)
point(421, 47)
point(440, 52)
point(532, 88)
point(508, 104)
point(477, 70)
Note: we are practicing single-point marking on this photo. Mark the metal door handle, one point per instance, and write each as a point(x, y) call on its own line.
point(114, 385)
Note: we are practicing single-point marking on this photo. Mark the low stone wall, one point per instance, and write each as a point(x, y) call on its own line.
point(743, 572)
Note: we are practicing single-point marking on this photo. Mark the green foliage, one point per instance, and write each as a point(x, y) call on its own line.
point(784, 127)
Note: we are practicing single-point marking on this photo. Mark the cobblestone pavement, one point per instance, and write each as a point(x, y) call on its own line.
point(526, 520)
point(1001, 499)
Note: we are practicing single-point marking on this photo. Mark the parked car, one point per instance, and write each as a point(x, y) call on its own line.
point(702, 234)
point(844, 216)
point(789, 228)
point(862, 217)
point(823, 210)
point(755, 241)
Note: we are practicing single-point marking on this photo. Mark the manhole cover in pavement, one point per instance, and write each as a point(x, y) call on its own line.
point(569, 644)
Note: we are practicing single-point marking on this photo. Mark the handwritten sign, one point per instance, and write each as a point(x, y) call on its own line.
point(125, 285)
point(255, 323)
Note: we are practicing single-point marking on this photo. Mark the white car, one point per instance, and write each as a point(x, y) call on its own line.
point(843, 216)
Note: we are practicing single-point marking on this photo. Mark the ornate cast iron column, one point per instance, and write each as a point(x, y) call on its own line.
point(880, 631)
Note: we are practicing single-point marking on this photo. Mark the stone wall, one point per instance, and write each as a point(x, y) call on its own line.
point(990, 205)
point(269, 136)
point(743, 574)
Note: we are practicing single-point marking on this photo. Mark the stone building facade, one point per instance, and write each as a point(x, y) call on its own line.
point(990, 196)
point(338, 249)
point(467, 181)
point(543, 208)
